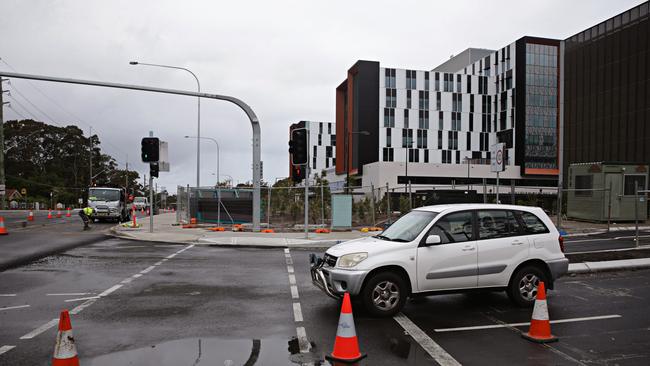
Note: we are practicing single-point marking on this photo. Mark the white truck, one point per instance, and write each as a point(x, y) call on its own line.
point(108, 204)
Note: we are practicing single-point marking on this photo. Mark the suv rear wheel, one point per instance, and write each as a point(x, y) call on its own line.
point(523, 285)
point(384, 294)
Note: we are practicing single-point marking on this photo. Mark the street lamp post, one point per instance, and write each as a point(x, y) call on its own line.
point(345, 145)
point(198, 118)
point(218, 179)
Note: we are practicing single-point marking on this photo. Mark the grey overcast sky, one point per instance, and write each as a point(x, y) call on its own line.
point(284, 58)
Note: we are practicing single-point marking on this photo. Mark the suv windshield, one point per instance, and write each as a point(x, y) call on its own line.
point(104, 195)
point(408, 227)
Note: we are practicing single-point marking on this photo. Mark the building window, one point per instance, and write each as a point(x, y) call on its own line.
point(422, 139)
point(410, 79)
point(406, 118)
point(320, 140)
point(388, 137)
point(423, 97)
point(390, 78)
point(439, 140)
point(452, 140)
point(389, 117)
point(426, 81)
point(329, 128)
point(458, 83)
point(446, 157)
point(469, 142)
point(314, 163)
point(633, 181)
point(457, 157)
point(328, 151)
point(438, 101)
point(471, 103)
point(388, 154)
point(423, 121)
point(391, 98)
point(455, 121)
point(333, 140)
point(441, 121)
point(327, 163)
point(457, 102)
point(414, 156)
point(437, 81)
point(585, 182)
point(471, 121)
point(407, 137)
point(408, 99)
point(315, 151)
point(469, 84)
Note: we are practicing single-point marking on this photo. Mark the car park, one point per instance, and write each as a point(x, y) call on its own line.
point(444, 249)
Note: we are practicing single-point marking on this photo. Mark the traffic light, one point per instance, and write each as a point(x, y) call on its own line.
point(153, 169)
point(297, 173)
point(150, 149)
point(298, 146)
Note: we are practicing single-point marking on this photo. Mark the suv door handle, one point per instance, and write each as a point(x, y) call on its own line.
point(517, 242)
point(468, 249)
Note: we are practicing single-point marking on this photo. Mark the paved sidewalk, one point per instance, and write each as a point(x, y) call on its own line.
point(166, 231)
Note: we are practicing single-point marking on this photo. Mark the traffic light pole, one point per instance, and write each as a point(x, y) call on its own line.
point(307, 192)
point(151, 202)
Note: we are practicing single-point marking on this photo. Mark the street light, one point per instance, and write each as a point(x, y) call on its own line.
point(218, 179)
point(345, 146)
point(198, 118)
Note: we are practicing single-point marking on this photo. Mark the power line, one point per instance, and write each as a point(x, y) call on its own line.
point(64, 109)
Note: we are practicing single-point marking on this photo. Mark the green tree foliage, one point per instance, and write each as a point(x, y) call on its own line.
point(48, 159)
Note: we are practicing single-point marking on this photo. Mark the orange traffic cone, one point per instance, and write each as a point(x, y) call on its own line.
point(30, 216)
point(49, 214)
point(58, 214)
point(135, 223)
point(540, 326)
point(3, 230)
point(65, 350)
point(346, 344)
point(69, 213)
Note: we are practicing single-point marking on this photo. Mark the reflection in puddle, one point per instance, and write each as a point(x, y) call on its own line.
point(202, 351)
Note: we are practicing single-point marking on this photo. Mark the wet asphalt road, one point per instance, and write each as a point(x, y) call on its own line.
point(191, 305)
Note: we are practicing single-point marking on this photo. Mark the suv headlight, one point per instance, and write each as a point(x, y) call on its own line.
point(351, 260)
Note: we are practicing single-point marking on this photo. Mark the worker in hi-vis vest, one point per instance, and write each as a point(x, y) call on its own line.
point(85, 214)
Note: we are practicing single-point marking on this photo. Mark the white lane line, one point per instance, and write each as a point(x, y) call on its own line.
point(82, 298)
point(290, 269)
point(107, 292)
point(126, 280)
point(7, 295)
point(433, 349)
point(15, 307)
point(137, 275)
point(289, 261)
point(303, 342)
point(5, 349)
point(292, 279)
point(71, 294)
point(41, 329)
point(294, 291)
point(86, 304)
point(147, 270)
point(297, 312)
point(558, 321)
point(170, 256)
point(286, 250)
point(158, 263)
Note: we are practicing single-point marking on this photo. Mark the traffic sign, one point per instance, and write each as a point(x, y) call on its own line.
point(497, 153)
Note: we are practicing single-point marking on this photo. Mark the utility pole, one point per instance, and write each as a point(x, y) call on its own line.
point(90, 145)
point(151, 203)
point(2, 150)
point(307, 190)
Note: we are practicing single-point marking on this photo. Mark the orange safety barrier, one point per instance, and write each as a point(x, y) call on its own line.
point(268, 231)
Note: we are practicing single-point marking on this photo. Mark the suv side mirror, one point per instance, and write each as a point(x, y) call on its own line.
point(433, 239)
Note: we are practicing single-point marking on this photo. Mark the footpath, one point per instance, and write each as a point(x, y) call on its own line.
point(166, 230)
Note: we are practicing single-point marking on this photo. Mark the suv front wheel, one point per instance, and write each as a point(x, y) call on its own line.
point(384, 294)
point(523, 285)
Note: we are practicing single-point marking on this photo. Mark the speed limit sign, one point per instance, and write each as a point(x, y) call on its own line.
point(497, 152)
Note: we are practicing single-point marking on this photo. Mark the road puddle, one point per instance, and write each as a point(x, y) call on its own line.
point(202, 351)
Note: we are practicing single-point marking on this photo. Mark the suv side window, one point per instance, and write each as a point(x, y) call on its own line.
point(532, 224)
point(453, 228)
point(494, 224)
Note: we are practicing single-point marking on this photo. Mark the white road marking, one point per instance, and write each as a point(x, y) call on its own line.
point(294, 291)
point(7, 295)
point(71, 294)
point(433, 349)
point(15, 307)
point(286, 250)
point(147, 270)
point(290, 269)
point(292, 279)
point(86, 304)
point(41, 329)
point(303, 342)
point(126, 280)
point(170, 256)
point(108, 292)
point(82, 298)
point(137, 275)
point(507, 325)
point(158, 263)
point(289, 261)
point(297, 312)
point(4, 349)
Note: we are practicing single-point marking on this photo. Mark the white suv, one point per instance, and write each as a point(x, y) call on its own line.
point(443, 249)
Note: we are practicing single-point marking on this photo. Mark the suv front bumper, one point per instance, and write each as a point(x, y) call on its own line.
point(335, 282)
